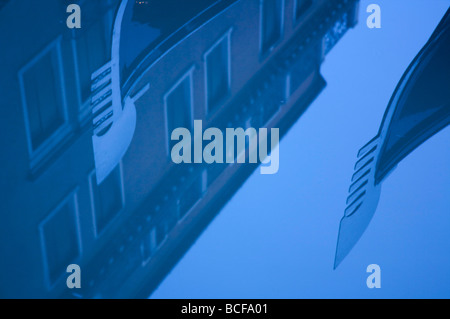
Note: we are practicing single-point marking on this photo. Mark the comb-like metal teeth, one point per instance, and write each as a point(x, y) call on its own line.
point(351, 209)
point(98, 72)
point(365, 158)
point(103, 123)
point(102, 115)
point(360, 178)
point(105, 73)
point(356, 184)
point(359, 200)
point(100, 82)
point(95, 80)
point(100, 104)
point(366, 148)
point(101, 98)
point(103, 92)
point(357, 192)
point(357, 175)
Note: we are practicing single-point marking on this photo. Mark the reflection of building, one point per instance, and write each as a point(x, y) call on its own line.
point(46, 140)
point(418, 109)
point(230, 63)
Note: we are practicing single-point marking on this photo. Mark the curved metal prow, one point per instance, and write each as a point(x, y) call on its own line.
point(114, 122)
point(362, 201)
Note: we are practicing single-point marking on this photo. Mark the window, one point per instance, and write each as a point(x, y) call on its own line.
point(301, 6)
point(178, 102)
point(60, 239)
point(148, 246)
point(271, 23)
point(298, 75)
point(107, 199)
point(192, 195)
point(302, 69)
point(43, 100)
point(217, 61)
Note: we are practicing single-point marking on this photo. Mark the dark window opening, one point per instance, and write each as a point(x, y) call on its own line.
point(43, 98)
point(271, 23)
point(178, 103)
point(217, 74)
point(60, 236)
point(107, 199)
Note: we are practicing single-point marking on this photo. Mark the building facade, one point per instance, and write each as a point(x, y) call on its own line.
point(87, 176)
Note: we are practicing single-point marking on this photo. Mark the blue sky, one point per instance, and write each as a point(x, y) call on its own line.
point(277, 236)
